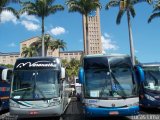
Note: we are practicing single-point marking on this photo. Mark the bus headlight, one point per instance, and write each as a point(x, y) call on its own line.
point(14, 104)
point(134, 104)
point(91, 105)
point(149, 97)
point(54, 103)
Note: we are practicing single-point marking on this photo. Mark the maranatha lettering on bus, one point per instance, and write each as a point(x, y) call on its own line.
point(37, 64)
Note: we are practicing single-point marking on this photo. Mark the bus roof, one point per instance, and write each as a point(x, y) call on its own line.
point(37, 58)
point(150, 64)
point(102, 55)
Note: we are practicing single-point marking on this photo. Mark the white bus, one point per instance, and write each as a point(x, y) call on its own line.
point(38, 88)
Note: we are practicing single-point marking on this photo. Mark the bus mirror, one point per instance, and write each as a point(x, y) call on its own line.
point(7, 75)
point(139, 73)
point(4, 74)
point(62, 73)
point(81, 75)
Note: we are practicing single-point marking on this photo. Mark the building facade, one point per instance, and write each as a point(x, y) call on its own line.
point(68, 55)
point(28, 42)
point(10, 58)
point(94, 45)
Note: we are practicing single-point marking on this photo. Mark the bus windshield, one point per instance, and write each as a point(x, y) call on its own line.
point(112, 78)
point(122, 77)
point(152, 78)
point(35, 84)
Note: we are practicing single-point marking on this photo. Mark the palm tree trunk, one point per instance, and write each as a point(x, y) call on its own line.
point(58, 51)
point(130, 39)
point(43, 50)
point(87, 46)
point(84, 42)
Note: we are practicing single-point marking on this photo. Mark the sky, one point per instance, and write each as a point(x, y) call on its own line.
point(68, 27)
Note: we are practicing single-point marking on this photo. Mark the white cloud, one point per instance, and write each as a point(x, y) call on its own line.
point(107, 43)
point(107, 35)
point(29, 17)
point(57, 30)
point(29, 25)
point(7, 16)
point(12, 45)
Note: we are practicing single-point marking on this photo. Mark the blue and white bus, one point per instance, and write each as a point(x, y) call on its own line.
point(109, 85)
point(150, 88)
point(38, 88)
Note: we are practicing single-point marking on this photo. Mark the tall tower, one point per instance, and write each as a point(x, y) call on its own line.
point(94, 33)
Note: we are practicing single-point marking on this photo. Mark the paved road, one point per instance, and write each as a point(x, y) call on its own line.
point(74, 112)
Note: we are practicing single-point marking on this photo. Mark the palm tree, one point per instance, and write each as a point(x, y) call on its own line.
point(29, 51)
point(156, 12)
point(72, 68)
point(58, 44)
point(49, 43)
point(41, 8)
point(65, 63)
point(4, 6)
point(126, 6)
point(84, 7)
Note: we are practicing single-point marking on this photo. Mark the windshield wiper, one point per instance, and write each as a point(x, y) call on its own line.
point(102, 90)
point(123, 95)
point(44, 98)
point(156, 80)
point(27, 89)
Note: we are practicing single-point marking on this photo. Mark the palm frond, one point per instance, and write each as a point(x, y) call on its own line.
point(55, 8)
point(83, 6)
point(119, 16)
point(13, 11)
point(132, 11)
point(153, 16)
point(112, 3)
point(156, 7)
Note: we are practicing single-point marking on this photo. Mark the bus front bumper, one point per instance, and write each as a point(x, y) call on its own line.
point(104, 112)
point(149, 103)
point(29, 113)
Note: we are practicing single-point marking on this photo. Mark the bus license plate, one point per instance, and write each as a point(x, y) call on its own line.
point(33, 112)
point(114, 113)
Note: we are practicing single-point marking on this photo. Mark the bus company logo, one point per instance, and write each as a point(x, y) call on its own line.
point(36, 64)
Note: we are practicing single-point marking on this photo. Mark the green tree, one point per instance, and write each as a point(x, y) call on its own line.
point(49, 43)
point(42, 9)
point(84, 7)
point(156, 11)
point(126, 6)
point(71, 67)
point(8, 65)
point(29, 51)
point(58, 44)
point(65, 63)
